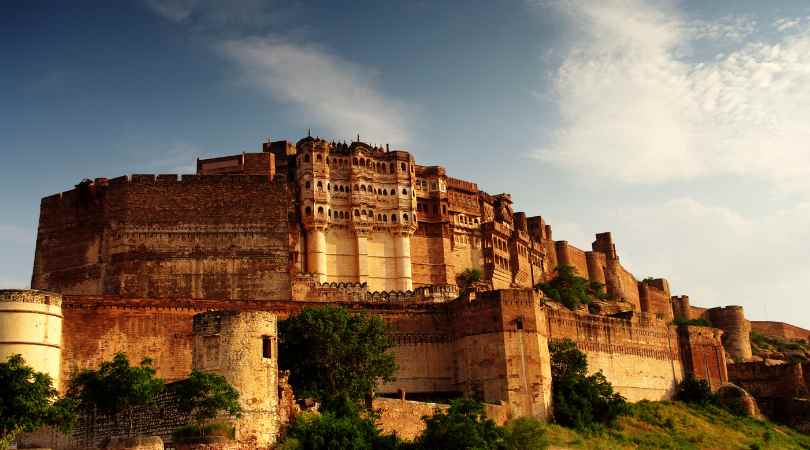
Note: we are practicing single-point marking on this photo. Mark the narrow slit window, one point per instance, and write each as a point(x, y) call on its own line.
point(267, 347)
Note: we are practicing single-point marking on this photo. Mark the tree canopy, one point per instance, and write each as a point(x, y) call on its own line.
point(334, 355)
point(469, 276)
point(205, 395)
point(28, 401)
point(116, 387)
point(580, 400)
point(572, 290)
point(463, 426)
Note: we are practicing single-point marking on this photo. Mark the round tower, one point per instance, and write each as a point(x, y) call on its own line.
point(242, 347)
point(31, 325)
point(737, 330)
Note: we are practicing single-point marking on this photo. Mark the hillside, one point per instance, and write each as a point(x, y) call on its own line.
point(675, 425)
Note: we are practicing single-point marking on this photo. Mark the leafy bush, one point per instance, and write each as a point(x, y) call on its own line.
point(463, 426)
point(581, 401)
point(205, 395)
point(692, 390)
point(328, 431)
point(572, 290)
point(469, 276)
point(525, 433)
point(699, 322)
point(116, 387)
point(192, 432)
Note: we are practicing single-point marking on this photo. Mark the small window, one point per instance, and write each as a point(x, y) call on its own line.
point(306, 157)
point(403, 167)
point(267, 347)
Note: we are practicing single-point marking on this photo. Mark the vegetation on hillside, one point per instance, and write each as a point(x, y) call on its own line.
point(677, 425)
point(699, 322)
point(572, 290)
point(28, 401)
point(205, 395)
point(771, 347)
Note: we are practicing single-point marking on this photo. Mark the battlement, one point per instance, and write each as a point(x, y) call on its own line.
point(32, 296)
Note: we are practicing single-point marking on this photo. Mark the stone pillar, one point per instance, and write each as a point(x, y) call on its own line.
point(402, 242)
point(316, 253)
point(362, 256)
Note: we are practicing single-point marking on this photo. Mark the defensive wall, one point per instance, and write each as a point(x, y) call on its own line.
point(164, 236)
point(780, 330)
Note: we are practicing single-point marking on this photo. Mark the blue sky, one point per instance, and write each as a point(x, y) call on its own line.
point(680, 126)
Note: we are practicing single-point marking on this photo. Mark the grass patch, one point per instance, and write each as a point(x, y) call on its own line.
point(675, 425)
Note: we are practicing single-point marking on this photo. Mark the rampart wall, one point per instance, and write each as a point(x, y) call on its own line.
point(780, 330)
point(639, 356)
point(147, 236)
point(769, 381)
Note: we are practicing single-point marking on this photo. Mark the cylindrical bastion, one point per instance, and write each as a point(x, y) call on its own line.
point(31, 325)
point(737, 337)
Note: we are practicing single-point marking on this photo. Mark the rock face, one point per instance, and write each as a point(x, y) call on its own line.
point(738, 399)
point(134, 443)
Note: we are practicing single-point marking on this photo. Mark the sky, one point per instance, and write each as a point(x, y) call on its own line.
point(683, 127)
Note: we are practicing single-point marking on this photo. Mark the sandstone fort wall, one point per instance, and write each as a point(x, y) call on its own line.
point(780, 330)
point(146, 236)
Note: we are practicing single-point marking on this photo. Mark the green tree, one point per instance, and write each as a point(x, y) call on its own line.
point(205, 395)
point(116, 388)
point(692, 390)
point(28, 401)
point(464, 426)
point(468, 277)
point(334, 356)
point(572, 290)
point(581, 401)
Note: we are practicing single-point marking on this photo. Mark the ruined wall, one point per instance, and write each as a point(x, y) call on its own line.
point(404, 417)
point(640, 357)
point(214, 236)
point(780, 330)
point(762, 380)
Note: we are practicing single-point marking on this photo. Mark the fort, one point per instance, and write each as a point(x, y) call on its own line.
point(139, 262)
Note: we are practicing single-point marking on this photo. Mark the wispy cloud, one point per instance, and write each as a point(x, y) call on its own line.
point(632, 109)
point(331, 94)
point(340, 97)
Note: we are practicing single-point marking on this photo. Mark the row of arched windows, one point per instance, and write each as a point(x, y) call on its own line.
point(357, 213)
point(380, 167)
point(359, 188)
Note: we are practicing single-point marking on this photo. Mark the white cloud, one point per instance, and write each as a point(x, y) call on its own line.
point(719, 256)
point(336, 95)
point(632, 109)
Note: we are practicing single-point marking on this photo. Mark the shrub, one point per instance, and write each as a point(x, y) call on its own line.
point(699, 322)
point(469, 276)
point(581, 401)
point(328, 431)
point(463, 426)
point(525, 433)
point(692, 390)
point(205, 395)
point(572, 290)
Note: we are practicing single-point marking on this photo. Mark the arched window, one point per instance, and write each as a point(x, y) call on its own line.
point(368, 164)
point(320, 210)
point(363, 187)
point(308, 211)
point(306, 157)
point(329, 212)
point(391, 168)
point(354, 161)
point(308, 185)
point(385, 218)
point(320, 186)
point(356, 187)
point(328, 186)
point(319, 157)
point(403, 167)
point(341, 188)
point(404, 192)
point(362, 162)
point(379, 217)
point(393, 217)
point(369, 188)
point(356, 213)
